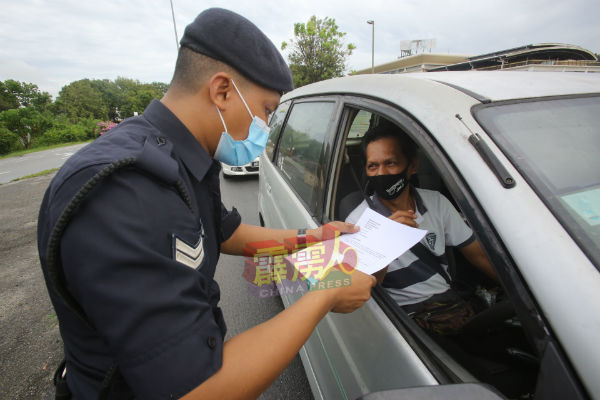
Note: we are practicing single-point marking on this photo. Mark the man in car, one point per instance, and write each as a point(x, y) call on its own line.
point(418, 280)
point(131, 228)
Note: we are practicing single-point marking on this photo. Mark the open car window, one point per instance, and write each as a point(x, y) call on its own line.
point(495, 348)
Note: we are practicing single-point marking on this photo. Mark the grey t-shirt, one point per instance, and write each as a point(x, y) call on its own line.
point(409, 280)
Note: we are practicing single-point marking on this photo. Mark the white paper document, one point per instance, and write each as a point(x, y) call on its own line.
point(380, 240)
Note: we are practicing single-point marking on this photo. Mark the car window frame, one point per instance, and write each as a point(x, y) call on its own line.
point(526, 308)
point(328, 143)
point(288, 104)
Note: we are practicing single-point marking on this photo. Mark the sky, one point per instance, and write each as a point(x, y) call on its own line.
point(53, 43)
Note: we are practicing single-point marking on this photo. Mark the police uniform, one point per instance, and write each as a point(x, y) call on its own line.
point(129, 236)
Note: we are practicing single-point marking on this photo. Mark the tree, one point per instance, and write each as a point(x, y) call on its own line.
point(160, 87)
point(7, 140)
point(7, 99)
point(317, 51)
point(138, 95)
point(15, 94)
point(112, 97)
point(81, 99)
point(26, 122)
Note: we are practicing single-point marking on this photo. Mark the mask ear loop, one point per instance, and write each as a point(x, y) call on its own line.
point(242, 97)
point(222, 120)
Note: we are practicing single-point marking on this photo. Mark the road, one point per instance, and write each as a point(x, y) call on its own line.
point(30, 345)
point(20, 166)
point(243, 310)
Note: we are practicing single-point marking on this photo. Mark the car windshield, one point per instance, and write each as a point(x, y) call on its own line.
point(555, 144)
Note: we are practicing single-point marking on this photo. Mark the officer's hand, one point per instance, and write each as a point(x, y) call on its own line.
point(405, 217)
point(349, 298)
point(327, 231)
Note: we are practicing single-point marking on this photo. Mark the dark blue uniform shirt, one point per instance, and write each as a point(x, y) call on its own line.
point(140, 259)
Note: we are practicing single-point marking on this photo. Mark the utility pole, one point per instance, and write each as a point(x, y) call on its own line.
point(174, 26)
point(372, 23)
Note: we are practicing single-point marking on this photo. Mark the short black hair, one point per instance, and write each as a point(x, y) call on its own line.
point(193, 69)
point(387, 129)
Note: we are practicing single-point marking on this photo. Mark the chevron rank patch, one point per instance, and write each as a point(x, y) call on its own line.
point(190, 255)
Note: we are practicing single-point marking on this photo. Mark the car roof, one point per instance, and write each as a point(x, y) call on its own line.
point(482, 85)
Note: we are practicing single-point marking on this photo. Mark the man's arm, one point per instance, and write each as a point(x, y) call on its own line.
point(476, 256)
point(245, 234)
point(253, 359)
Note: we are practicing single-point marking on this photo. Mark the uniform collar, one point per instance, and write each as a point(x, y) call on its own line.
point(382, 209)
point(186, 146)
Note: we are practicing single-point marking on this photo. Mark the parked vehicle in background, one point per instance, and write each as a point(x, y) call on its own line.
point(518, 154)
point(248, 169)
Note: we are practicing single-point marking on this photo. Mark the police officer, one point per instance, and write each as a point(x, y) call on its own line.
point(131, 228)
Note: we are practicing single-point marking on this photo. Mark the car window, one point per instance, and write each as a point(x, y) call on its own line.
point(275, 124)
point(555, 144)
point(360, 124)
point(300, 157)
point(493, 337)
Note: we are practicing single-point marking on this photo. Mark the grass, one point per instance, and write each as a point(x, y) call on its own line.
point(40, 148)
point(44, 172)
point(52, 319)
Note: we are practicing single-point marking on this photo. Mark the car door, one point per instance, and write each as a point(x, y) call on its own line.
point(348, 354)
point(536, 361)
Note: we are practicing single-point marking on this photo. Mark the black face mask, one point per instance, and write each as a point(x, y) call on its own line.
point(388, 187)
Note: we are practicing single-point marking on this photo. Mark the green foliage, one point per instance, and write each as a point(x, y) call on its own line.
point(317, 51)
point(138, 95)
point(29, 117)
point(112, 97)
point(27, 123)
point(7, 99)
point(63, 131)
point(7, 140)
point(107, 100)
point(88, 126)
point(14, 94)
point(80, 99)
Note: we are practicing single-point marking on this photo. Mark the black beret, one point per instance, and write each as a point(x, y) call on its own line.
point(230, 38)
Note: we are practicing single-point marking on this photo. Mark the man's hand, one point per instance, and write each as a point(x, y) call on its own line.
point(405, 217)
point(349, 298)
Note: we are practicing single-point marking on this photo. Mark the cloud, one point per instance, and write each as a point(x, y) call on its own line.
point(54, 43)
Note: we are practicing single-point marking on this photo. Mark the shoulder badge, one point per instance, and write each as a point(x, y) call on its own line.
point(187, 254)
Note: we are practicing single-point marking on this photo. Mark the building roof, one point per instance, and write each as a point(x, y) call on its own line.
point(417, 62)
point(542, 53)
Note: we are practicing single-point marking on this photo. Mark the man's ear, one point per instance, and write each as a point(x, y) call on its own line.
point(219, 89)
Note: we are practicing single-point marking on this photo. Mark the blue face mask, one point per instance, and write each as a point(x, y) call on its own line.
point(241, 152)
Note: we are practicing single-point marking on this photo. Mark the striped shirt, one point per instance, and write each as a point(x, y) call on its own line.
point(409, 280)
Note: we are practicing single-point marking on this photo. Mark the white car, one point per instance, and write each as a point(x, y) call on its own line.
point(248, 169)
point(518, 154)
